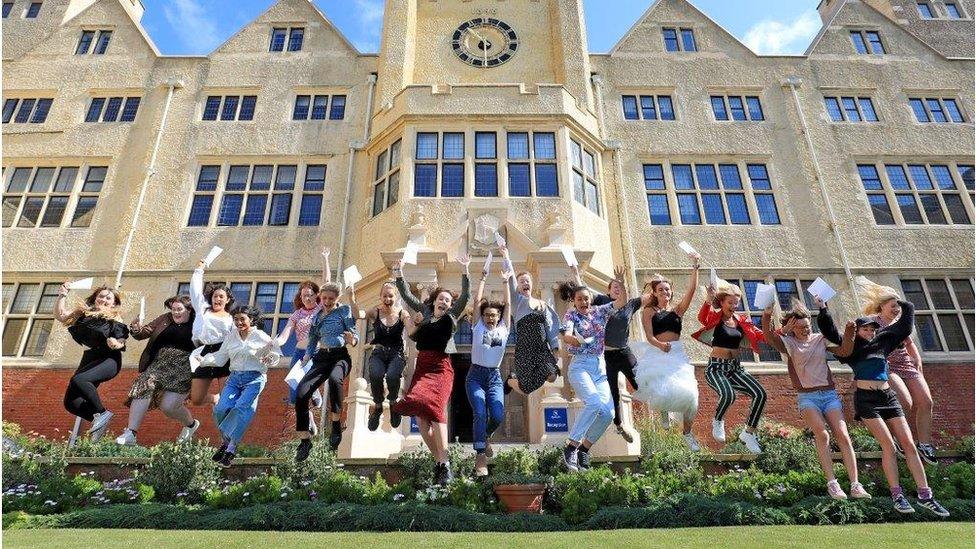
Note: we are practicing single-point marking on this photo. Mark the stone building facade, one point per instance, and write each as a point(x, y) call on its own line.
point(478, 116)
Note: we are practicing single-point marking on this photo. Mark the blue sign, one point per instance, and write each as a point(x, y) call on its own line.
point(557, 420)
point(414, 426)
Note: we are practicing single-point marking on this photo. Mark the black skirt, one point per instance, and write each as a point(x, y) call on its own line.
point(211, 372)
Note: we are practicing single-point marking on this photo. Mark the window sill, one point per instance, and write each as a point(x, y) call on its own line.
point(951, 357)
point(957, 227)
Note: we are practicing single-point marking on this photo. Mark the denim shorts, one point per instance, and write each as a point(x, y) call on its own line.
point(822, 401)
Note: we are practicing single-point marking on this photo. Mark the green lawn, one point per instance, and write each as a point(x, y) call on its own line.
point(941, 535)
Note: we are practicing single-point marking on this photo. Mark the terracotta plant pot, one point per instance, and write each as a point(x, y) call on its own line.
point(521, 498)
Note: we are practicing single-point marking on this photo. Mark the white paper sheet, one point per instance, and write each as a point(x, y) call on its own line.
point(713, 278)
point(296, 373)
point(213, 255)
point(410, 253)
point(570, 256)
point(142, 310)
point(83, 284)
point(821, 289)
point(196, 357)
point(499, 239)
point(686, 248)
point(351, 276)
point(765, 295)
point(487, 268)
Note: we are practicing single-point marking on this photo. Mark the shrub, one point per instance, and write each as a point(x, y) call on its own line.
point(785, 449)
point(755, 486)
point(298, 475)
point(582, 494)
point(550, 460)
point(255, 490)
point(417, 467)
point(106, 447)
point(670, 467)
point(337, 485)
point(862, 439)
point(122, 491)
point(964, 446)
point(32, 468)
point(518, 460)
point(180, 472)
point(51, 495)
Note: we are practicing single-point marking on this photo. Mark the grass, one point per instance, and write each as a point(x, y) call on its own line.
point(943, 535)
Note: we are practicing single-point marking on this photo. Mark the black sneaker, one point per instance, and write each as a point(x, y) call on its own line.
point(395, 420)
point(902, 505)
point(571, 458)
point(225, 460)
point(440, 472)
point(335, 437)
point(927, 452)
point(899, 450)
point(304, 449)
point(374, 418)
point(220, 453)
point(508, 387)
point(583, 459)
point(934, 506)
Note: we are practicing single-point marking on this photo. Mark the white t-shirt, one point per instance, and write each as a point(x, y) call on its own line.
point(488, 346)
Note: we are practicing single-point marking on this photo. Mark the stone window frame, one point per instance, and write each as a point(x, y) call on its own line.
point(864, 34)
point(285, 289)
point(960, 9)
point(94, 43)
point(221, 105)
point(36, 317)
point(288, 37)
point(99, 104)
point(748, 192)
point(641, 108)
point(386, 177)
point(586, 169)
point(299, 193)
point(33, 10)
point(942, 97)
point(469, 162)
point(37, 110)
point(858, 98)
point(872, 194)
point(930, 315)
point(744, 99)
point(679, 30)
point(7, 8)
point(928, 5)
point(81, 198)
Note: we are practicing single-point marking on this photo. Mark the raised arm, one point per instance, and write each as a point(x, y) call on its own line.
point(139, 332)
point(326, 266)
point(685, 302)
point(825, 323)
point(769, 331)
point(410, 300)
point(847, 347)
point(351, 297)
point(462, 300)
point(200, 304)
point(285, 333)
point(61, 310)
point(508, 304)
point(622, 299)
point(479, 293)
point(889, 338)
point(576, 274)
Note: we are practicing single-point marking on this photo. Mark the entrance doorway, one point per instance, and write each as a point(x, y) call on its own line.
point(514, 427)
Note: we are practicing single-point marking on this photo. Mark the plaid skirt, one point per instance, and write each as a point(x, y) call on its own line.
point(169, 372)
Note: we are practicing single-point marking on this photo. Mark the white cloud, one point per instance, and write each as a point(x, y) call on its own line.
point(369, 16)
point(770, 37)
point(191, 25)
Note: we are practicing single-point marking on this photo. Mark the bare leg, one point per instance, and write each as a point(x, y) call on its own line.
point(815, 422)
point(889, 460)
point(440, 437)
point(200, 391)
point(899, 428)
point(839, 427)
point(921, 398)
point(901, 391)
point(427, 434)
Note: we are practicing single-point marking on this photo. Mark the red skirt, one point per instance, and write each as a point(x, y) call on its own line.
point(430, 388)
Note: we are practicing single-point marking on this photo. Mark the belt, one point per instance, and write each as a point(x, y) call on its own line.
point(330, 349)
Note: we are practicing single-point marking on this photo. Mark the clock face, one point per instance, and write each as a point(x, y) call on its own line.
point(485, 42)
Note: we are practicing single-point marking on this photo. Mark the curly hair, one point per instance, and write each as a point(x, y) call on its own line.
point(486, 304)
point(251, 311)
point(568, 290)
point(184, 299)
point(311, 285)
point(212, 287)
point(438, 291)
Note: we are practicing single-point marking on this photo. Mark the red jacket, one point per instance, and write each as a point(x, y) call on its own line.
point(710, 319)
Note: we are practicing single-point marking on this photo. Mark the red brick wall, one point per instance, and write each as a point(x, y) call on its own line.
point(32, 397)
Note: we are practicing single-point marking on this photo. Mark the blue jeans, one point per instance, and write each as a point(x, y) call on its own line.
point(588, 376)
point(238, 403)
point(487, 397)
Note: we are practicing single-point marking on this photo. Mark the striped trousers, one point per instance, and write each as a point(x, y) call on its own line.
point(726, 377)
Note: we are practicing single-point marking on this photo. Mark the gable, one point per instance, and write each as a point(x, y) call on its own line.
point(835, 38)
point(645, 37)
point(321, 36)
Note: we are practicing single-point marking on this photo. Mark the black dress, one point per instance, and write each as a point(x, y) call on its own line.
point(534, 361)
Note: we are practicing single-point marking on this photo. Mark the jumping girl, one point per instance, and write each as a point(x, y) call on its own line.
point(249, 351)
point(164, 370)
point(877, 405)
point(584, 333)
point(96, 325)
point(432, 326)
point(727, 333)
point(665, 374)
point(210, 325)
point(484, 382)
point(536, 335)
point(816, 396)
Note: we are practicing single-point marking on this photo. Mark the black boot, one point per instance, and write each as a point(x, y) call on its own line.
point(304, 449)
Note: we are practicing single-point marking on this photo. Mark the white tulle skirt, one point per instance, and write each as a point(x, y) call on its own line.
point(667, 380)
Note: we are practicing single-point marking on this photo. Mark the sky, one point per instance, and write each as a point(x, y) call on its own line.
point(197, 27)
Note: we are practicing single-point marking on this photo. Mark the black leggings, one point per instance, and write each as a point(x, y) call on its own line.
point(327, 365)
point(385, 364)
point(619, 361)
point(97, 367)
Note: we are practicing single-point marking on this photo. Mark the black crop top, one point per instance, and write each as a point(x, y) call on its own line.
point(388, 336)
point(92, 331)
point(726, 338)
point(434, 334)
point(665, 321)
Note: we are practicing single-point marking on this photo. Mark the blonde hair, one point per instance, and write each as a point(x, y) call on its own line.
point(724, 289)
point(875, 295)
point(797, 310)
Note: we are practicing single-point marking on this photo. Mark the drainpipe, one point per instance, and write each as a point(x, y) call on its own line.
point(173, 84)
point(794, 82)
point(626, 244)
point(353, 148)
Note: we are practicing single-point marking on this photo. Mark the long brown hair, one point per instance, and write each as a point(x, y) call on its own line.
point(88, 309)
point(438, 291)
point(311, 285)
point(656, 281)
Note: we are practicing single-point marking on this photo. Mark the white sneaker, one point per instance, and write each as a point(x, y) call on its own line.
point(751, 442)
point(100, 422)
point(186, 435)
point(313, 426)
point(692, 442)
point(718, 429)
point(127, 438)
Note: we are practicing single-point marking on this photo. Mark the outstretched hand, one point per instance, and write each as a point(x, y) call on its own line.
point(618, 273)
point(463, 259)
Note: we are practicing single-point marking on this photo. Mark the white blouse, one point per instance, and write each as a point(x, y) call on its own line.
point(245, 355)
point(208, 328)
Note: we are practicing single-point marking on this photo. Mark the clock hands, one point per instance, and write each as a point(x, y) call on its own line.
point(483, 46)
